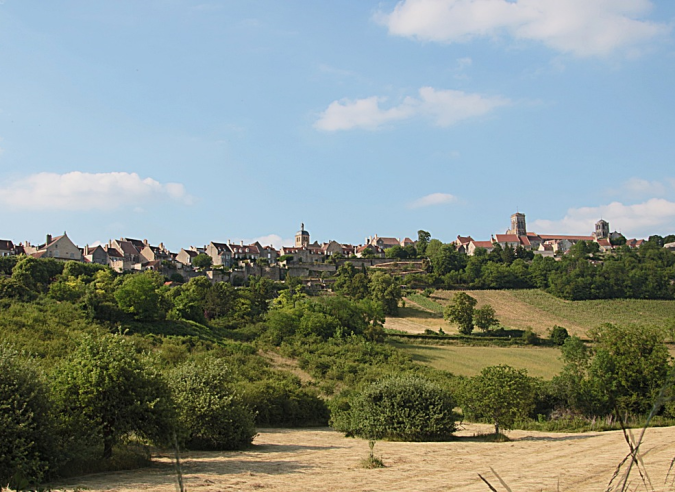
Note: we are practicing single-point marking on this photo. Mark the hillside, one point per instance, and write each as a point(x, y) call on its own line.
point(535, 309)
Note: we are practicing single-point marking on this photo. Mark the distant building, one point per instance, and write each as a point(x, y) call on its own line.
point(601, 230)
point(302, 237)
point(59, 248)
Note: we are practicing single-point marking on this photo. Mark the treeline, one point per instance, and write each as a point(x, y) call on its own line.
point(582, 273)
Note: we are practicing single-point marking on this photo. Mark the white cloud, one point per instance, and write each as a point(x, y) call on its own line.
point(433, 199)
point(445, 107)
point(637, 186)
point(654, 216)
point(86, 191)
point(580, 27)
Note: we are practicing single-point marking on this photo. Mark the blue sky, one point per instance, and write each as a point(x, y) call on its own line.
point(189, 121)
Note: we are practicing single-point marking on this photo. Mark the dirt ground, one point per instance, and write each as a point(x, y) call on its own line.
point(321, 459)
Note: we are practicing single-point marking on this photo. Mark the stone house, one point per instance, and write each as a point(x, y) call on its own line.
point(59, 248)
point(185, 256)
point(220, 253)
point(7, 247)
point(95, 255)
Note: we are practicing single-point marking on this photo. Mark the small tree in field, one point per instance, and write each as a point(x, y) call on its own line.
point(500, 394)
point(105, 391)
point(484, 317)
point(461, 311)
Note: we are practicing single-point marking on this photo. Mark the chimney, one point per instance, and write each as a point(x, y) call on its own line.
point(49, 238)
point(241, 243)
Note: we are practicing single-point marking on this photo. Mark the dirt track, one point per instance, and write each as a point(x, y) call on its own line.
point(321, 459)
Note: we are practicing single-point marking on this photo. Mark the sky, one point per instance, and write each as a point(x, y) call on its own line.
point(186, 122)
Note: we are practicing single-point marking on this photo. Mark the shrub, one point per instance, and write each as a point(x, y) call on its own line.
point(559, 335)
point(404, 408)
point(211, 415)
point(530, 338)
point(26, 445)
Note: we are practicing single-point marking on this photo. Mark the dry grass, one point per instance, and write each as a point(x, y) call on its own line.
point(535, 309)
point(290, 460)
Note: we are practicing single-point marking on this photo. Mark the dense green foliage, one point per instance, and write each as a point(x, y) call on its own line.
point(583, 273)
point(27, 434)
point(461, 311)
point(500, 395)
point(211, 414)
point(106, 391)
point(405, 408)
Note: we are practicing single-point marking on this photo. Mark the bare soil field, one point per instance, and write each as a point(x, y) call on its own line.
point(323, 460)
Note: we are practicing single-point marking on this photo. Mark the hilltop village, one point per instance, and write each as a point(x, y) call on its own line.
point(235, 262)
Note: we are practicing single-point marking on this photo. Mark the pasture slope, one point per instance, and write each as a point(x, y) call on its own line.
point(536, 310)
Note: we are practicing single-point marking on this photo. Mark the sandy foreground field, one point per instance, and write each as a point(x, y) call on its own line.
point(321, 459)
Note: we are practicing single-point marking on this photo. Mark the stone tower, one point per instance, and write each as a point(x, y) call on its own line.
point(601, 229)
point(302, 237)
point(518, 225)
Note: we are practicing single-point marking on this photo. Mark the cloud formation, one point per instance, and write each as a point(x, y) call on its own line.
point(86, 191)
point(444, 107)
point(433, 199)
point(654, 216)
point(584, 28)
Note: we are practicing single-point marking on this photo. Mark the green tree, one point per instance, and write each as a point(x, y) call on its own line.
point(423, 238)
point(27, 444)
point(461, 311)
point(139, 295)
point(629, 366)
point(211, 414)
point(106, 390)
point(385, 289)
point(500, 394)
point(484, 317)
point(202, 260)
point(402, 408)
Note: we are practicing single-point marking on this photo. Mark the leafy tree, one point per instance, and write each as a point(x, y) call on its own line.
point(36, 274)
point(619, 240)
point(446, 259)
point(461, 311)
point(402, 408)
point(385, 289)
point(559, 335)
point(484, 317)
point(139, 295)
point(423, 238)
point(106, 390)
point(202, 260)
point(27, 444)
point(211, 414)
point(396, 252)
point(500, 394)
point(629, 366)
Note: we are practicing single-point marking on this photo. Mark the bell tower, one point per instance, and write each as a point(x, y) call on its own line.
point(518, 225)
point(302, 237)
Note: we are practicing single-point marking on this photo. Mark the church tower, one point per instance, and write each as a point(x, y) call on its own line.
point(518, 225)
point(302, 237)
point(601, 229)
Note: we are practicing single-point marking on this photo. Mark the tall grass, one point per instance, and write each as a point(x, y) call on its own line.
point(426, 303)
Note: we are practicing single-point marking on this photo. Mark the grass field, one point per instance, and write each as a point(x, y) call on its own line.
point(466, 360)
point(535, 309)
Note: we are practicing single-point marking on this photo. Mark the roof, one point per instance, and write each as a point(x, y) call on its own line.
point(6, 244)
point(389, 240)
point(507, 238)
point(483, 244)
point(549, 237)
point(128, 247)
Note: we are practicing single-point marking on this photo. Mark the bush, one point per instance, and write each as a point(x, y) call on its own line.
point(280, 403)
point(530, 338)
point(403, 408)
point(559, 335)
point(26, 444)
point(211, 415)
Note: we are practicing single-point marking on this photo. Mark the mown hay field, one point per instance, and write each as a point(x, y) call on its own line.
point(288, 460)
